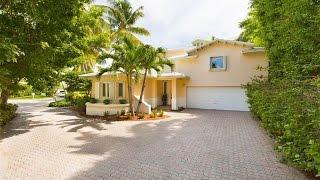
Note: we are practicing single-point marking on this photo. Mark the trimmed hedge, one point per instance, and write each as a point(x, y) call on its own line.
point(77, 99)
point(290, 112)
point(62, 103)
point(7, 113)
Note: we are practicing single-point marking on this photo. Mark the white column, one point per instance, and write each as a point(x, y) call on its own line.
point(174, 94)
point(154, 93)
point(97, 90)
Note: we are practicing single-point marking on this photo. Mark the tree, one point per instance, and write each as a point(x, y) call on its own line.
point(290, 33)
point(97, 38)
point(122, 18)
point(251, 30)
point(76, 83)
point(126, 57)
point(153, 59)
point(40, 38)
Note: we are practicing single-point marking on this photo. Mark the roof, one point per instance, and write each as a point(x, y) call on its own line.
point(172, 75)
point(254, 50)
point(179, 57)
point(250, 45)
point(161, 75)
point(96, 74)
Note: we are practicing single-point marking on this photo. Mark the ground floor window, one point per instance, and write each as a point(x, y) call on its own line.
point(120, 90)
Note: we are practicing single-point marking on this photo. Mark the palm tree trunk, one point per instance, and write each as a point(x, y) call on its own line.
point(4, 97)
point(142, 90)
point(129, 79)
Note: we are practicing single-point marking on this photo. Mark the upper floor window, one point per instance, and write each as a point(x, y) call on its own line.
point(218, 63)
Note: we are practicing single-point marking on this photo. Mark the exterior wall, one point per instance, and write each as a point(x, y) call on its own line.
point(182, 93)
point(100, 109)
point(114, 79)
point(149, 94)
point(240, 67)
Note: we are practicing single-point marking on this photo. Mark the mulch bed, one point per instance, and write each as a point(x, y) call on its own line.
point(146, 117)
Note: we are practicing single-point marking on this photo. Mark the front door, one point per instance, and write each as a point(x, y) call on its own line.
point(165, 95)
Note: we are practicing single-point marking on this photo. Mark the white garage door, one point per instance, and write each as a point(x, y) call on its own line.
point(220, 98)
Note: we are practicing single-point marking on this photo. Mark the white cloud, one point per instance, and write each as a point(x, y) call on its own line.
point(175, 23)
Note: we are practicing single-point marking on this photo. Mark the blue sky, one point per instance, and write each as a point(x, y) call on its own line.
point(175, 23)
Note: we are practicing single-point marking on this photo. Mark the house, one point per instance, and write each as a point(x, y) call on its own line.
point(208, 76)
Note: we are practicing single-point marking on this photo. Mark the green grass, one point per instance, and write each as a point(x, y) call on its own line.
point(30, 97)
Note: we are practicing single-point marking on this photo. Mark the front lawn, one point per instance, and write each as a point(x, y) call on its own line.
point(29, 97)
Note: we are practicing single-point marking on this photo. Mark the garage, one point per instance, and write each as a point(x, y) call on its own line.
point(220, 98)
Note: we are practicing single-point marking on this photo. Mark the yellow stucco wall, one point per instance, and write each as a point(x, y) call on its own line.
point(240, 67)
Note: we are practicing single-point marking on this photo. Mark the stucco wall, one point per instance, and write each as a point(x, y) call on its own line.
point(240, 67)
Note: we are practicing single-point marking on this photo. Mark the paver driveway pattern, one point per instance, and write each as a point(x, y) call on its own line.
point(49, 143)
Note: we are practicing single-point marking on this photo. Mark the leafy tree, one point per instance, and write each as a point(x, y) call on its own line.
point(97, 38)
point(40, 38)
point(126, 57)
point(251, 30)
point(75, 83)
point(153, 59)
point(122, 18)
point(290, 32)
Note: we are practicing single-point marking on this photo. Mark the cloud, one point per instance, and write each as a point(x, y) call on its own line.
point(175, 23)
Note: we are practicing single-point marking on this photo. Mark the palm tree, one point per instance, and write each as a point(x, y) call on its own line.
point(154, 59)
point(98, 36)
point(126, 57)
point(122, 18)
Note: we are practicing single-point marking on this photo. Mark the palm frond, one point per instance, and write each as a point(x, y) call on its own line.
point(139, 31)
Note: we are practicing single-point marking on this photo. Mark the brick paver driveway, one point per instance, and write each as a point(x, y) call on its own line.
point(48, 143)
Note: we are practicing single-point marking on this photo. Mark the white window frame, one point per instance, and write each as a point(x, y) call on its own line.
point(108, 90)
point(224, 59)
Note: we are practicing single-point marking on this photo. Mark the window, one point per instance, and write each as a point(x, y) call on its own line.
point(108, 90)
point(104, 90)
point(218, 63)
point(120, 90)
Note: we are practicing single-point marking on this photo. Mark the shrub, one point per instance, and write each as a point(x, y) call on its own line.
point(161, 113)
point(93, 100)
point(154, 113)
point(290, 112)
point(123, 112)
point(123, 101)
point(141, 115)
point(62, 103)
point(107, 101)
point(7, 113)
point(106, 113)
point(78, 99)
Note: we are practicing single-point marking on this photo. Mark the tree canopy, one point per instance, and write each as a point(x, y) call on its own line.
point(290, 31)
point(38, 39)
point(123, 18)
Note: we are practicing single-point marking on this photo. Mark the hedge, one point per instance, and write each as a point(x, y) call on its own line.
point(290, 112)
point(7, 113)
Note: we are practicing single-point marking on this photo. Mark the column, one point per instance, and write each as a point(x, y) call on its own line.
point(154, 93)
point(174, 94)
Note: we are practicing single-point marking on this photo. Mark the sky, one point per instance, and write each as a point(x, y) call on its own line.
point(176, 23)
